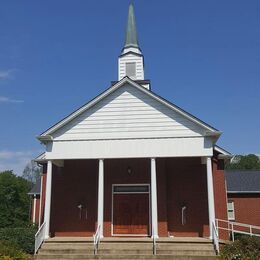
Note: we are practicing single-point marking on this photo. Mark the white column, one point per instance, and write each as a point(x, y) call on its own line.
point(101, 196)
point(47, 210)
point(154, 198)
point(211, 205)
point(34, 208)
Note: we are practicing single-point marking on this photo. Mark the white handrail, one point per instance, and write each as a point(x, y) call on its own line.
point(237, 227)
point(215, 237)
point(96, 238)
point(154, 242)
point(39, 237)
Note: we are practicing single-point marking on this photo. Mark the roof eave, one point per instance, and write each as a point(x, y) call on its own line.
point(40, 159)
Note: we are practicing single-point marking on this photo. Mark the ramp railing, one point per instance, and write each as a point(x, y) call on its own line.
point(236, 227)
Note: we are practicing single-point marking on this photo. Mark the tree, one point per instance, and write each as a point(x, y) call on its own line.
point(14, 200)
point(246, 162)
point(31, 172)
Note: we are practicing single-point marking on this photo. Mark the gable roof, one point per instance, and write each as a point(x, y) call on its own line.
point(222, 153)
point(46, 135)
point(243, 181)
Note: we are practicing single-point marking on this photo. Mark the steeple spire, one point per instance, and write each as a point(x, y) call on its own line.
point(131, 60)
point(131, 39)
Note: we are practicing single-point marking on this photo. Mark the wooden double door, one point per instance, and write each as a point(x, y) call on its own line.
point(131, 214)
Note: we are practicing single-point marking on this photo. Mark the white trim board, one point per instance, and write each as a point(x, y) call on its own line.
point(136, 148)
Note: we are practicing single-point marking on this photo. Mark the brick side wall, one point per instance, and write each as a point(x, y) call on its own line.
point(37, 204)
point(247, 208)
point(220, 195)
point(43, 195)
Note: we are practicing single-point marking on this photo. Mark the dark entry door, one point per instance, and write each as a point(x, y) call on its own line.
point(131, 214)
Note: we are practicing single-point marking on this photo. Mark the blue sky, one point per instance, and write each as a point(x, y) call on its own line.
point(204, 56)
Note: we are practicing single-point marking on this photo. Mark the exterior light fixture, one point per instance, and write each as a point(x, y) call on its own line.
point(129, 170)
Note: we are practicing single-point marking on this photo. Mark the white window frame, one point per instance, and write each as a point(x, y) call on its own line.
point(231, 209)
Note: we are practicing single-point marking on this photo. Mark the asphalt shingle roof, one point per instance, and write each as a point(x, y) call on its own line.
point(243, 180)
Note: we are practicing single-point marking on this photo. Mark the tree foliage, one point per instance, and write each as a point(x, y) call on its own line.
point(246, 162)
point(14, 200)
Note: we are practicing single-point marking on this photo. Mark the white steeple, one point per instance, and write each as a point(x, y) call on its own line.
point(131, 60)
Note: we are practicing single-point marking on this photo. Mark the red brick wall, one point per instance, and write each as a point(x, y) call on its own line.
point(44, 175)
point(247, 208)
point(187, 185)
point(220, 195)
point(76, 183)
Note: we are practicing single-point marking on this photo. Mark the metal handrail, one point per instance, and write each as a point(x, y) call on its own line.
point(215, 237)
point(39, 237)
point(231, 227)
point(154, 242)
point(96, 239)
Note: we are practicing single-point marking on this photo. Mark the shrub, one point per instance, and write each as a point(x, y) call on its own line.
point(22, 237)
point(244, 248)
point(10, 251)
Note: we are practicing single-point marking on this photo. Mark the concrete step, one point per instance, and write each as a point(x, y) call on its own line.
point(149, 252)
point(173, 246)
point(117, 257)
point(123, 246)
point(126, 248)
point(68, 246)
point(126, 252)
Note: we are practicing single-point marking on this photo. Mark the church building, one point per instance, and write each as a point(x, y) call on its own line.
point(130, 163)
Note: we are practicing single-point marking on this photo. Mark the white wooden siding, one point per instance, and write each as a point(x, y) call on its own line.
point(128, 113)
point(135, 148)
point(131, 58)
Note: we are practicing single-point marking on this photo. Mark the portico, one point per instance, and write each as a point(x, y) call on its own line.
point(124, 186)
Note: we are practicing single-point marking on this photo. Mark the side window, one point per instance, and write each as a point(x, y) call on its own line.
point(130, 69)
point(231, 210)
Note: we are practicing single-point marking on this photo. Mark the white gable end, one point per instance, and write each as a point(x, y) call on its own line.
point(128, 113)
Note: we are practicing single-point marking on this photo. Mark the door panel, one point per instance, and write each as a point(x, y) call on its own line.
point(131, 214)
